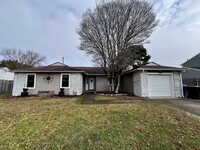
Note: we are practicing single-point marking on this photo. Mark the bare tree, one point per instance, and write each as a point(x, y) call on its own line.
point(22, 58)
point(107, 32)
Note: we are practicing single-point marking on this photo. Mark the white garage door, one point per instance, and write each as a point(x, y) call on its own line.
point(159, 85)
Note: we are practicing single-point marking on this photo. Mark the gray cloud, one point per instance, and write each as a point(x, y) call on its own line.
point(176, 37)
point(43, 26)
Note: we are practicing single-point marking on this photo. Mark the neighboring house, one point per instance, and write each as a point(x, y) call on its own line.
point(6, 74)
point(151, 80)
point(191, 74)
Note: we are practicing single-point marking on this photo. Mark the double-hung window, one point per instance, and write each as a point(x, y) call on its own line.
point(30, 81)
point(64, 81)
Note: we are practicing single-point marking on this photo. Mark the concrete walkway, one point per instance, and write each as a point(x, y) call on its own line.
point(88, 99)
point(188, 105)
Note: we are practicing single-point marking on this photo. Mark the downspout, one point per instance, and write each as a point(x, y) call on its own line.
point(181, 85)
point(173, 82)
point(197, 82)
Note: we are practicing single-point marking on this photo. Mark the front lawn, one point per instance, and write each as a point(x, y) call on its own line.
point(104, 98)
point(47, 123)
point(99, 97)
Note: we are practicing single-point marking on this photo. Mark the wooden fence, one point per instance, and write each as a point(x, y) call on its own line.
point(6, 86)
point(191, 82)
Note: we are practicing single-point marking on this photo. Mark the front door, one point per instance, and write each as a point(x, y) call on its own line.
point(91, 84)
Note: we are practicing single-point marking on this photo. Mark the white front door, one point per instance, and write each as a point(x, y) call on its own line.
point(91, 83)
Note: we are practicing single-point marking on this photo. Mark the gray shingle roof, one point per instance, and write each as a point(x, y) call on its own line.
point(91, 70)
point(152, 66)
point(59, 67)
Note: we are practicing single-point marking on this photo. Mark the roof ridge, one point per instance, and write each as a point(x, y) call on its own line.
point(61, 64)
point(86, 67)
point(149, 63)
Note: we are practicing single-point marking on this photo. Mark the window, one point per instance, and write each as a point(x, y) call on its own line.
point(64, 81)
point(30, 81)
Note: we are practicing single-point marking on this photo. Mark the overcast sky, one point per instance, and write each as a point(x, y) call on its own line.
point(49, 27)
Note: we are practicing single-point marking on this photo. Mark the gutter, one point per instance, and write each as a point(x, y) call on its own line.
point(65, 71)
point(32, 71)
point(188, 68)
point(153, 69)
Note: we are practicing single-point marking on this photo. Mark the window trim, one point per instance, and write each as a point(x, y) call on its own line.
point(34, 80)
point(61, 81)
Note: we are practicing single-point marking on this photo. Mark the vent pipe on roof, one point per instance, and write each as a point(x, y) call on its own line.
point(63, 60)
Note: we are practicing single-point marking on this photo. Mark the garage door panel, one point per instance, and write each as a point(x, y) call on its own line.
point(159, 85)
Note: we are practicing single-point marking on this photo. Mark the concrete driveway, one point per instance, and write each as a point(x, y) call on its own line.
point(188, 105)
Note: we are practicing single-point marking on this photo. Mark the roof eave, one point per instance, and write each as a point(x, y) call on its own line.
point(95, 74)
point(189, 68)
point(160, 69)
point(154, 69)
point(54, 71)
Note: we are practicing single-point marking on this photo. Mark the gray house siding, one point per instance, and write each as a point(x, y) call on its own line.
point(131, 83)
point(127, 83)
point(191, 74)
point(191, 77)
point(137, 84)
point(102, 84)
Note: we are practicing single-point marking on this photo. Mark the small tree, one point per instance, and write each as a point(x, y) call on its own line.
point(107, 32)
point(17, 58)
point(138, 56)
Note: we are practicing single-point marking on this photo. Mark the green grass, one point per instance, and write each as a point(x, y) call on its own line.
point(115, 97)
point(104, 98)
point(5, 96)
point(38, 123)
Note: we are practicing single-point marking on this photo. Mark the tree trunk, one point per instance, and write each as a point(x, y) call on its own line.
point(112, 85)
point(118, 84)
point(110, 88)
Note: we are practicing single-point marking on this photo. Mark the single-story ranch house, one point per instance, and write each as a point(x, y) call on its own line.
point(151, 80)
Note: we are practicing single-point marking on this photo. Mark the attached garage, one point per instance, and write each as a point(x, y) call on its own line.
point(154, 80)
point(160, 85)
